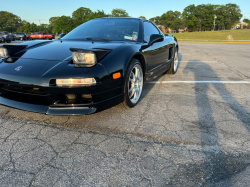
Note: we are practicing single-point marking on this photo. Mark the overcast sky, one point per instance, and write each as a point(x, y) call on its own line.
point(35, 10)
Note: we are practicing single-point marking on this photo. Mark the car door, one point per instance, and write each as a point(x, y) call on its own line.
point(155, 55)
point(33, 35)
point(40, 35)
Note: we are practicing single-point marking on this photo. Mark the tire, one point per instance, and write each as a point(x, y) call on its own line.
point(8, 41)
point(174, 64)
point(46, 38)
point(134, 83)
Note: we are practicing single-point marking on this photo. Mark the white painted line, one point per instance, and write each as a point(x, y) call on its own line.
point(155, 82)
point(200, 61)
point(188, 82)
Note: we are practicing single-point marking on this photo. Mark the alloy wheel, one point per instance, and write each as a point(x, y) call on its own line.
point(135, 84)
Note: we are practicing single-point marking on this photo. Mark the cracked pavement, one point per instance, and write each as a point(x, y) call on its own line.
point(195, 134)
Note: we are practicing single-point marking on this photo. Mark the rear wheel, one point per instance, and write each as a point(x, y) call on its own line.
point(174, 63)
point(8, 41)
point(133, 84)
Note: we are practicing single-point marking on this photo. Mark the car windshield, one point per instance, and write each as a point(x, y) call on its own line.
point(120, 29)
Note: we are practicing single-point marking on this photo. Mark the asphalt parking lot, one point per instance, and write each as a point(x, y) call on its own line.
point(189, 129)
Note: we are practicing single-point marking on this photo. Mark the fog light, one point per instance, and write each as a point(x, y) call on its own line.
point(75, 82)
point(71, 96)
point(87, 96)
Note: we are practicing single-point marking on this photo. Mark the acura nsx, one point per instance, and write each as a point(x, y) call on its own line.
point(101, 63)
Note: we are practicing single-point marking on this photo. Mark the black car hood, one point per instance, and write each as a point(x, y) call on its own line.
point(60, 50)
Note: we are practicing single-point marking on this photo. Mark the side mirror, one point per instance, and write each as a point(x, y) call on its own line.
point(61, 35)
point(155, 38)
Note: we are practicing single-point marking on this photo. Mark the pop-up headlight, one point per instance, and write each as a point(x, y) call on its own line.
point(84, 59)
point(3, 53)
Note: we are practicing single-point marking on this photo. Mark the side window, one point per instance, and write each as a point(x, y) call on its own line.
point(149, 29)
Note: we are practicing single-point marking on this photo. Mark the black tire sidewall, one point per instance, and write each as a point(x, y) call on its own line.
point(126, 94)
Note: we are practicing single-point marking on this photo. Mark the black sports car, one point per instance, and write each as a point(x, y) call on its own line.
point(101, 63)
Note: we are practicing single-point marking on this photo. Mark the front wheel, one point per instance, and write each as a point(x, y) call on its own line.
point(133, 84)
point(174, 63)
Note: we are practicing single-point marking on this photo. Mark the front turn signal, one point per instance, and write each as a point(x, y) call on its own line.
point(117, 75)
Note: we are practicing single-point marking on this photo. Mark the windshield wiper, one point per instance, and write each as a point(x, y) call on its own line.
point(97, 39)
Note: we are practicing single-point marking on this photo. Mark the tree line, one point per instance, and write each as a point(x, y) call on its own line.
point(13, 23)
point(195, 18)
point(204, 17)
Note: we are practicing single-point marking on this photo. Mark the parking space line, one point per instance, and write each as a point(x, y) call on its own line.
point(193, 82)
point(199, 61)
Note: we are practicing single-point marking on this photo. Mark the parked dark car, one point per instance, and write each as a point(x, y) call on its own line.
point(13, 37)
point(20, 36)
point(101, 63)
point(6, 36)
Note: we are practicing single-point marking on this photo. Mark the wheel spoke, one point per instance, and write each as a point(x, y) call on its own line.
point(135, 93)
point(133, 77)
point(132, 93)
point(136, 72)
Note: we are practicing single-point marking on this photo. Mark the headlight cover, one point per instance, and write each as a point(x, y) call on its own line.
point(84, 59)
point(3, 53)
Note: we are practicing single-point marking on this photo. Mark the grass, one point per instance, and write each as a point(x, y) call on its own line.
point(241, 34)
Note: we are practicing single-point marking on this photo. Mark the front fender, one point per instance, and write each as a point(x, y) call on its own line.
point(118, 60)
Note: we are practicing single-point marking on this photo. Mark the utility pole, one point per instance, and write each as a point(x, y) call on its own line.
point(215, 17)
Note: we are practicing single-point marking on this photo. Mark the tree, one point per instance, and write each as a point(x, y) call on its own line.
point(64, 24)
point(234, 14)
point(189, 17)
point(117, 12)
point(81, 15)
point(246, 20)
point(98, 14)
point(143, 17)
point(202, 17)
point(28, 27)
point(52, 23)
point(9, 22)
point(156, 20)
point(171, 19)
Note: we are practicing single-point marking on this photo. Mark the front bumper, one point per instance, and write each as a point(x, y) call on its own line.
point(58, 104)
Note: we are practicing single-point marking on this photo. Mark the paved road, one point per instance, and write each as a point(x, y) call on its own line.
point(189, 129)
